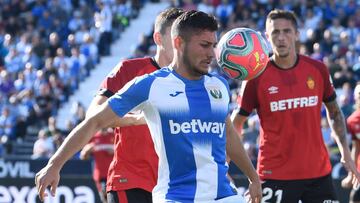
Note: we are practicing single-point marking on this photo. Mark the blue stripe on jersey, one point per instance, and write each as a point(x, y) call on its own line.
point(131, 95)
point(180, 163)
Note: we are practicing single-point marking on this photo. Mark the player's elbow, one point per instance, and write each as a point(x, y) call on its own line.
point(95, 123)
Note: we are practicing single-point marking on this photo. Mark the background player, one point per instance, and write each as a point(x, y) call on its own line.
point(288, 96)
point(101, 147)
point(133, 171)
point(187, 111)
point(353, 124)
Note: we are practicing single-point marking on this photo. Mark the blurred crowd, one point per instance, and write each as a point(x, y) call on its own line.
point(48, 47)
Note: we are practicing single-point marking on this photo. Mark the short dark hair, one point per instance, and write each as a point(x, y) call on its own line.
point(166, 18)
point(283, 14)
point(192, 22)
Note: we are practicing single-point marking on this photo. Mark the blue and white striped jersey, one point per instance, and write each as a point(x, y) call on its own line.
point(187, 123)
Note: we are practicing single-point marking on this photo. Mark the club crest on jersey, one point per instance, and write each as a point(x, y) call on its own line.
point(310, 83)
point(216, 93)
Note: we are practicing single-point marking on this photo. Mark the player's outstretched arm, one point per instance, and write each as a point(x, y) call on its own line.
point(235, 150)
point(78, 137)
point(337, 124)
point(127, 120)
point(238, 120)
point(347, 182)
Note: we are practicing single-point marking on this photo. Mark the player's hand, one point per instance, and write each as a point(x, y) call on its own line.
point(353, 172)
point(347, 181)
point(48, 176)
point(255, 192)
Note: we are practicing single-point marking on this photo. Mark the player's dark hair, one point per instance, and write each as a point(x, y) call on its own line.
point(166, 18)
point(283, 14)
point(193, 22)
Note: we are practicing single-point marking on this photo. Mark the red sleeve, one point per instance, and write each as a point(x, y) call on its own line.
point(113, 82)
point(249, 100)
point(329, 92)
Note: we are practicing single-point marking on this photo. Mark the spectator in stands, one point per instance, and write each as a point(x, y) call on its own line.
point(54, 43)
point(206, 6)
point(43, 146)
point(89, 50)
point(45, 104)
point(223, 12)
point(7, 124)
point(6, 84)
point(103, 21)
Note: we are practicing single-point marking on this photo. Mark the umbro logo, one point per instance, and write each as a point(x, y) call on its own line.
point(273, 90)
point(176, 93)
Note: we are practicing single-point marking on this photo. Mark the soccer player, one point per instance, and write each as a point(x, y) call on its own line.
point(133, 171)
point(187, 112)
point(353, 124)
point(101, 147)
point(293, 161)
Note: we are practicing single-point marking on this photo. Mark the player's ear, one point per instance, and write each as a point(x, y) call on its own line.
point(177, 42)
point(157, 38)
point(267, 35)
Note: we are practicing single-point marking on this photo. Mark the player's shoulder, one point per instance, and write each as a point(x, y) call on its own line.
point(161, 73)
point(136, 63)
point(216, 76)
point(314, 63)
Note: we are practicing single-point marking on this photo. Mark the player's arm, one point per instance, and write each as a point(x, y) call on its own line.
point(347, 181)
point(127, 120)
point(337, 124)
point(78, 137)
point(235, 150)
point(238, 120)
point(86, 151)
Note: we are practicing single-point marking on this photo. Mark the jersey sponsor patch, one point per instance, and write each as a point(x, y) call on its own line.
point(293, 103)
point(197, 126)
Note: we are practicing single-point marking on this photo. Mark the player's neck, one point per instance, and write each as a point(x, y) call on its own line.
point(160, 59)
point(180, 68)
point(285, 62)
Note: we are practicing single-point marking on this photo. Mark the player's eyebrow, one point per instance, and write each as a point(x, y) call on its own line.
point(209, 43)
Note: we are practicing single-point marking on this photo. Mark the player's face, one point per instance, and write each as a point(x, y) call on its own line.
point(282, 36)
point(199, 52)
point(167, 46)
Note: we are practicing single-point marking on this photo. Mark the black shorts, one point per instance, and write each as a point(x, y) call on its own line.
point(135, 195)
point(308, 191)
point(355, 195)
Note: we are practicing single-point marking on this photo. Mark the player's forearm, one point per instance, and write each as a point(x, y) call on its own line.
point(337, 123)
point(355, 152)
point(237, 120)
point(76, 140)
point(236, 152)
point(239, 156)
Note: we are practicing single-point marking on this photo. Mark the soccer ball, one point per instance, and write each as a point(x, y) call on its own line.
point(242, 53)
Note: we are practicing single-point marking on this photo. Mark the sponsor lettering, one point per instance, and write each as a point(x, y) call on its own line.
point(81, 194)
point(293, 103)
point(197, 126)
point(19, 169)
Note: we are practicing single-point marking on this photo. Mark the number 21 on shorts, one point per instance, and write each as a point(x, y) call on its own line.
point(268, 194)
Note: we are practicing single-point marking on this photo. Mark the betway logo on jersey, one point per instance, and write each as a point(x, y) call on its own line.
point(197, 126)
point(293, 103)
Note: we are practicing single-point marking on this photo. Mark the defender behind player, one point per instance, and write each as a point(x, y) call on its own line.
point(133, 172)
point(293, 161)
point(353, 124)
